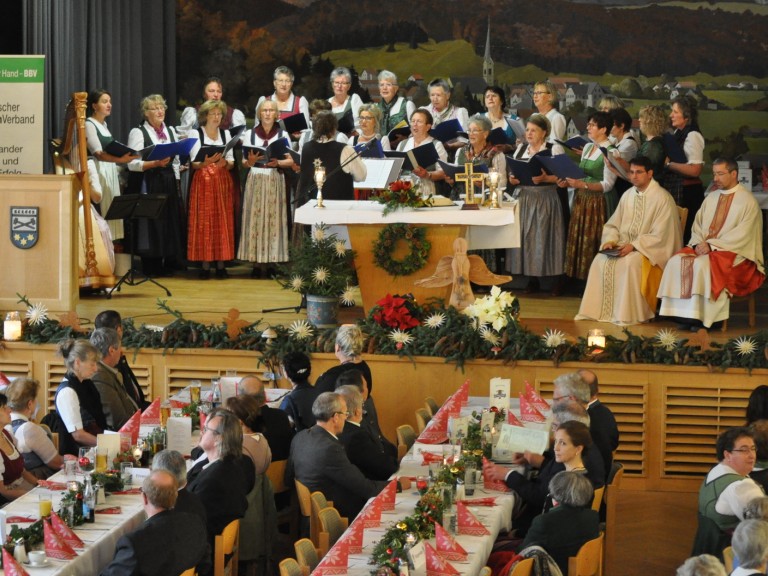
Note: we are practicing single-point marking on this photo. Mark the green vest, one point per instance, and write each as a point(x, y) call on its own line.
point(709, 494)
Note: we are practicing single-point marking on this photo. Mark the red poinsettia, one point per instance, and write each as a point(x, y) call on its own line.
point(395, 312)
point(399, 185)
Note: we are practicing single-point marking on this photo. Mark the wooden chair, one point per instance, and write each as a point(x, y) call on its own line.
point(317, 502)
point(288, 514)
point(332, 526)
point(190, 572)
point(589, 560)
point(406, 437)
point(289, 567)
point(305, 507)
point(750, 308)
point(611, 499)
point(728, 559)
point(422, 419)
point(431, 405)
point(227, 544)
point(598, 498)
point(306, 553)
point(523, 568)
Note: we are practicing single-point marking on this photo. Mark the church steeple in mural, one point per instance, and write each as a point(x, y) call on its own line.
point(488, 73)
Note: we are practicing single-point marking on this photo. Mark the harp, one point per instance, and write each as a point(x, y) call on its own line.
point(70, 156)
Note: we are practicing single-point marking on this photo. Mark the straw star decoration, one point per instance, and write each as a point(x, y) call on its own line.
point(234, 323)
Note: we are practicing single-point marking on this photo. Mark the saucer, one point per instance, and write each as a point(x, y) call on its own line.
point(43, 564)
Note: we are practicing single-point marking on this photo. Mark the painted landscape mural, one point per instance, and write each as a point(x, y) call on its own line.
point(643, 53)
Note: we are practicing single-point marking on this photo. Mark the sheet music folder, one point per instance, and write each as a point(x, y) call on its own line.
point(381, 172)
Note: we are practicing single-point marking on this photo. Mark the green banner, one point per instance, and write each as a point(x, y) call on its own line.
point(22, 69)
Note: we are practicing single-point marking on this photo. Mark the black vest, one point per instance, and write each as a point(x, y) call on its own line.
point(91, 413)
point(338, 186)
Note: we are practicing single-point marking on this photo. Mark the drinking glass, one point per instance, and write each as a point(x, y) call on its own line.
point(86, 458)
point(194, 391)
point(448, 454)
point(101, 459)
point(469, 477)
point(44, 503)
point(126, 473)
point(422, 484)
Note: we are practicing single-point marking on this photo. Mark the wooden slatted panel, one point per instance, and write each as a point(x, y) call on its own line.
point(628, 403)
point(143, 373)
point(54, 374)
point(16, 368)
point(179, 377)
point(693, 419)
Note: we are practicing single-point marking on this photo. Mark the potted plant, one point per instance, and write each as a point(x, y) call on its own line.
point(322, 269)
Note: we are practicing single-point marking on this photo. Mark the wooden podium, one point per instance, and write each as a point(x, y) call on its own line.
point(46, 272)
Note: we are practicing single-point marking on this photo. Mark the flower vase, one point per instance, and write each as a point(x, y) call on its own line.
point(322, 311)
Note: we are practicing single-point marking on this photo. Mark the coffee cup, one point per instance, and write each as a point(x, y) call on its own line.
point(36, 557)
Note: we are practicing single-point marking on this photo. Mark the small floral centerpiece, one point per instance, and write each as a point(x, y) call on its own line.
point(403, 193)
point(110, 479)
point(321, 265)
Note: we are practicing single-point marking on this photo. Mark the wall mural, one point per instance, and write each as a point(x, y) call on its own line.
point(645, 54)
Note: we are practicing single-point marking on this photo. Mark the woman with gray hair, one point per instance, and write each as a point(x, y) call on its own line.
point(394, 108)
point(349, 349)
point(342, 101)
point(542, 231)
point(222, 477)
point(480, 152)
point(570, 523)
point(288, 103)
point(160, 242)
point(441, 108)
point(750, 547)
point(702, 565)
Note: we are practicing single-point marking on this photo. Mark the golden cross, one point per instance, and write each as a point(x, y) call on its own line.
point(469, 177)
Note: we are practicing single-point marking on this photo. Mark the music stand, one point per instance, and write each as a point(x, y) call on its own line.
point(133, 207)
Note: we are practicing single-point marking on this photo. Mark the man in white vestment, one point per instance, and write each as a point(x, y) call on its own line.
point(724, 257)
point(643, 233)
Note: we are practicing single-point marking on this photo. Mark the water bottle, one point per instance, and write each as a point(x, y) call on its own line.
point(89, 501)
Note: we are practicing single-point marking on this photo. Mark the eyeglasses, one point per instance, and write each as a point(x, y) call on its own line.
point(540, 92)
point(366, 118)
point(345, 414)
point(745, 449)
point(342, 83)
point(385, 85)
point(207, 429)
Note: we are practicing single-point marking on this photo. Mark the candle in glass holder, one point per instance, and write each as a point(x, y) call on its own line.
point(12, 327)
point(596, 338)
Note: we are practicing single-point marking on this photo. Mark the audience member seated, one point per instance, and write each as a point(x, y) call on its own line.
point(602, 422)
point(16, 481)
point(222, 477)
point(298, 403)
point(370, 416)
point(41, 459)
point(572, 391)
point(318, 459)
point(173, 462)
point(757, 405)
point(570, 450)
point(79, 417)
point(703, 565)
point(645, 229)
point(112, 319)
point(750, 547)
point(364, 449)
point(168, 542)
point(724, 257)
point(759, 474)
point(117, 406)
point(757, 509)
point(570, 523)
point(349, 349)
point(726, 491)
point(273, 423)
point(258, 528)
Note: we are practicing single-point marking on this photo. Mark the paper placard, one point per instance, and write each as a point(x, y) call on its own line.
point(487, 421)
point(419, 557)
point(517, 439)
point(109, 441)
point(178, 434)
point(228, 387)
point(499, 395)
point(458, 428)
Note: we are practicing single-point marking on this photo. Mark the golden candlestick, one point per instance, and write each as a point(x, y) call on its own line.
point(319, 181)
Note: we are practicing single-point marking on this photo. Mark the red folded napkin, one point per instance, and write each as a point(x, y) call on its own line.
point(463, 393)
point(388, 495)
point(427, 457)
point(131, 427)
point(65, 531)
point(55, 546)
point(371, 515)
point(512, 419)
point(52, 485)
point(151, 415)
point(467, 523)
point(533, 397)
point(20, 519)
point(129, 491)
point(447, 547)
point(436, 566)
point(489, 484)
point(110, 510)
point(353, 538)
point(178, 403)
point(528, 412)
point(481, 502)
point(11, 567)
point(436, 431)
point(334, 562)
